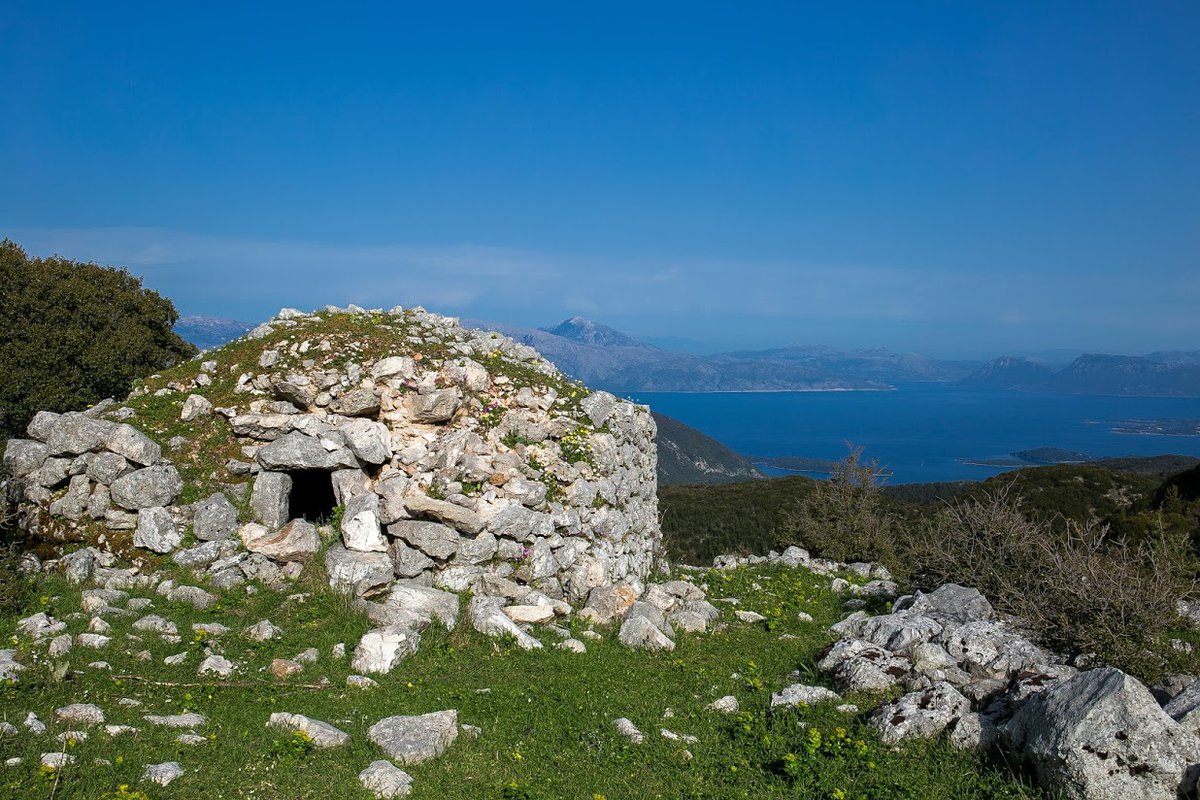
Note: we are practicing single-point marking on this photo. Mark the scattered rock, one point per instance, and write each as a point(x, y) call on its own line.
point(79, 714)
point(413, 739)
point(188, 720)
point(640, 633)
point(628, 730)
point(283, 668)
point(194, 407)
point(724, 705)
point(57, 760)
point(800, 695)
point(385, 780)
point(163, 773)
point(322, 734)
point(263, 631)
point(216, 665)
point(380, 650)
point(487, 617)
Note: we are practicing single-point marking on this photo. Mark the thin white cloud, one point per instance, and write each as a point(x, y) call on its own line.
point(231, 275)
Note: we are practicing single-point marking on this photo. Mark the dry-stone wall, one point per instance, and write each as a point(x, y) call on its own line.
point(445, 456)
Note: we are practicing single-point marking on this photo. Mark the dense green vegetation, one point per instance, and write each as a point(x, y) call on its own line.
point(1095, 560)
point(700, 522)
point(72, 334)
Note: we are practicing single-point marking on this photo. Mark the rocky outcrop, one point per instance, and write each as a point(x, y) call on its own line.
point(85, 470)
point(1102, 736)
point(975, 677)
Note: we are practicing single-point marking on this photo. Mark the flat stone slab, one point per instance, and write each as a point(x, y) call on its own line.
point(323, 734)
point(411, 740)
point(188, 720)
point(80, 714)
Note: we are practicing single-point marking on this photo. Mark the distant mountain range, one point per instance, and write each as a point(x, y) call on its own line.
point(1162, 374)
point(209, 332)
point(608, 359)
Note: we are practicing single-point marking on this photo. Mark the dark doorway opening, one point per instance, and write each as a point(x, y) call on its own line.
point(312, 495)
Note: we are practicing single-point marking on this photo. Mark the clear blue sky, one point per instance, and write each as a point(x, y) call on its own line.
point(952, 177)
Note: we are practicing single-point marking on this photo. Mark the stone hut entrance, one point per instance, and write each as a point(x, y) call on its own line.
point(311, 497)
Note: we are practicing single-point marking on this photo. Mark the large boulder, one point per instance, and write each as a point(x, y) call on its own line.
point(950, 604)
point(269, 501)
point(432, 538)
point(24, 456)
point(298, 450)
point(360, 525)
point(1184, 707)
point(369, 441)
point(146, 488)
point(435, 407)
point(295, 541)
point(347, 568)
point(413, 739)
point(135, 446)
point(75, 433)
point(1102, 736)
point(608, 603)
point(156, 531)
point(639, 633)
point(457, 517)
point(922, 715)
point(425, 602)
point(992, 649)
point(215, 519)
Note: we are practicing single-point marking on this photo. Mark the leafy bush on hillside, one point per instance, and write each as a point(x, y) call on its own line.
point(700, 522)
point(72, 334)
point(1094, 560)
point(844, 518)
point(1082, 590)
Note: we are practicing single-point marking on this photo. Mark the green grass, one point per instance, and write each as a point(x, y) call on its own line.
point(546, 716)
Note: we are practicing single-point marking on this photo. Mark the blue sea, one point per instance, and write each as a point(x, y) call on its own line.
point(924, 432)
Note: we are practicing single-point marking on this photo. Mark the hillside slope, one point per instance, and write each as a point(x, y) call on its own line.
point(685, 455)
point(1156, 375)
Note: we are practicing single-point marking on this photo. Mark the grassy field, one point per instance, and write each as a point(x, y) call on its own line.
point(546, 716)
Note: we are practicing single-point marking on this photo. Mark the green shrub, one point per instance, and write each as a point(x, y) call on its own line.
point(1082, 590)
point(844, 518)
point(72, 334)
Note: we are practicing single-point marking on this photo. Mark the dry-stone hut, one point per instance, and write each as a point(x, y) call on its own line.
point(424, 450)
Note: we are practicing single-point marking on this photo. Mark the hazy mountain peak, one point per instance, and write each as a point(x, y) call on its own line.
point(207, 332)
point(581, 329)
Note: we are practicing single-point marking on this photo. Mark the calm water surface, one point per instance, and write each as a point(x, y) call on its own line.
point(924, 431)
